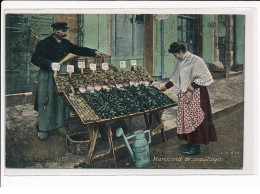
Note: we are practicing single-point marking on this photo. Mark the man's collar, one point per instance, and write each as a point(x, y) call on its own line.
point(56, 38)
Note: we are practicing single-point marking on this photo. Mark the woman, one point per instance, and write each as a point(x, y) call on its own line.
point(194, 116)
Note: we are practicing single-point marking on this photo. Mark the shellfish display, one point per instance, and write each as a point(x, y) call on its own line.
point(77, 80)
point(63, 84)
point(103, 108)
point(110, 94)
point(86, 113)
point(143, 74)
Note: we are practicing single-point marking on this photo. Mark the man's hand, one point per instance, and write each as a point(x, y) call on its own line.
point(99, 54)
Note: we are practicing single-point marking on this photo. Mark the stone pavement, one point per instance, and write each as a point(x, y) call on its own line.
point(225, 153)
point(24, 150)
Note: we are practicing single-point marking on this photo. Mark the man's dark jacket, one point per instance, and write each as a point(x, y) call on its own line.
point(50, 50)
point(52, 110)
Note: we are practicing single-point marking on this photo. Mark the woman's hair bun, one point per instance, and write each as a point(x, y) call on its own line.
point(174, 45)
point(176, 48)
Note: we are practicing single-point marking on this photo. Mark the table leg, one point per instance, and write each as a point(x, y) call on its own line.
point(110, 141)
point(146, 121)
point(150, 120)
point(130, 126)
point(93, 144)
point(156, 115)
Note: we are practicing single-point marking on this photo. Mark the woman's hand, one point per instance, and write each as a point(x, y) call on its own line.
point(190, 88)
point(162, 89)
point(168, 85)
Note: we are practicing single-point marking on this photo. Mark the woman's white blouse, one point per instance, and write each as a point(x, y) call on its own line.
point(191, 69)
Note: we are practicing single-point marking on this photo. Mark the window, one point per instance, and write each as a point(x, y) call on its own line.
point(186, 31)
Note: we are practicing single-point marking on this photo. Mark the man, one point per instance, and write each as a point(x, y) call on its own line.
point(52, 110)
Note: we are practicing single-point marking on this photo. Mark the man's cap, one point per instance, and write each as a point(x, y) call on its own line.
point(60, 25)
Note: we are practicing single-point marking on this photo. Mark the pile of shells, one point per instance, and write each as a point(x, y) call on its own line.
point(123, 101)
point(154, 98)
point(132, 75)
point(85, 111)
point(119, 76)
point(96, 78)
point(77, 80)
point(102, 77)
point(103, 108)
point(143, 74)
point(110, 72)
point(125, 76)
point(63, 84)
point(90, 78)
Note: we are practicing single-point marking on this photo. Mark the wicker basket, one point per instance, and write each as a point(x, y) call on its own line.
point(79, 143)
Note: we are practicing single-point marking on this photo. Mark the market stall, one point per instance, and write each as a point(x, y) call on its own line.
point(103, 95)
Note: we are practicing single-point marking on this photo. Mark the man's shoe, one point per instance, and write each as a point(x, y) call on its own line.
point(194, 150)
point(63, 130)
point(186, 146)
point(43, 136)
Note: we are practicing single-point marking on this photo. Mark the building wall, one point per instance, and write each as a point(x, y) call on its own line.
point(127, 39)
point(240, 39)
point(158, 47)
point(73, 21)
point(20, 72)
point(169, 35)
point(221, 38)
point(99, 32)
point(95, 32)
point(207, 39)
point(166, 33)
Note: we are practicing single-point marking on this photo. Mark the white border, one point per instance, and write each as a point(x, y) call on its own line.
point(250, 9)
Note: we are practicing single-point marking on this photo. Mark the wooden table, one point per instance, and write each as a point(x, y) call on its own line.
point(148, 117)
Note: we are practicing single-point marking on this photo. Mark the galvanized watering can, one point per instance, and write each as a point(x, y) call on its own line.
point(140, 153)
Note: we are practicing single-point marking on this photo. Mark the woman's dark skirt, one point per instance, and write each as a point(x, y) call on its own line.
point(206, 131)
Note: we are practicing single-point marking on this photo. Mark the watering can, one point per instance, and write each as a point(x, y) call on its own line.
point(140, 152)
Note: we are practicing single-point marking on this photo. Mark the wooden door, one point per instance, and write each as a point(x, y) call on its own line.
point(127, 39)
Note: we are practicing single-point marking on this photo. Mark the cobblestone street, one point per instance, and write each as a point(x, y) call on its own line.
point(226, 153)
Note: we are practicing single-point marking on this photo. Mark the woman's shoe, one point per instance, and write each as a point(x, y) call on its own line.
point(186, 146)
point(194, 150)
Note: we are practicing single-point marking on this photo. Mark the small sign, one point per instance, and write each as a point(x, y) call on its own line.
point(55, 66)
point(122, 64)
point(162, 16)
point(133, 62)
point(81, 64)
point(93, 66)
point(105, 66)
point(70, 68)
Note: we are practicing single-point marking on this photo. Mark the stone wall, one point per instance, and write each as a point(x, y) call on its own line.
point(20, 72)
